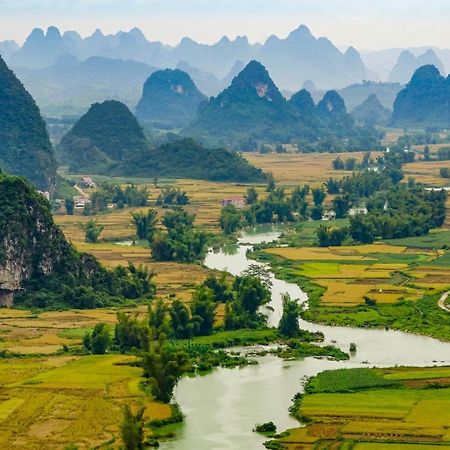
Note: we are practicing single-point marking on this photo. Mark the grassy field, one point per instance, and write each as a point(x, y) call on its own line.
point(302, 168)
point(363, 409)
point(394, 285)
point(427, 172)
point(51, 402)
point(382, 272)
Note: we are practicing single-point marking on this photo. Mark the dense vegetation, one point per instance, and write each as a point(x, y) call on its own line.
point(187, 158)
point(252, 110)
point(109, 140)
point(371, 112)
point(52, 273)
point(180, 242)
point(169, 99)
point(424, 101)
point(108, 132)
point(400, 212)
point(25, 147)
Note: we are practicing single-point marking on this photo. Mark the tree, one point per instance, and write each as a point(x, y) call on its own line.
point(163, 367)
point(289, 324)
point(270, 183)
point(145, 224)
point(251, 293)
point(341, 206)
point(331, 236)
point(316, 212)
point(69, 205)
point(319, 195)
point(230, 219)
point(362, 230)
point(92, 230)
point(132, 428)
point(338, 164)
point(203, 308)
point(182, 325)
point(426, 153)
point(251, 197)
point(100, 339)
point(444, 172)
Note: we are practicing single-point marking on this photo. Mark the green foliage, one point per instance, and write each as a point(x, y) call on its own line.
point(230, 219)
point(186, 158)
point(130, 333)
point(170, 99)
point(289, 323)
point(25, 147)
point(181, 242)
point(319, 195)
point(203, 310)
point(444, 172)
point(343, 380)
point(163, 366)
point(329, 236)
point(400, 212)
point(92, 230)
point(268, 427)
point(145, 224)
point(252, 110)
point(69, 205)
point(250, 295)
point(99, 341)
point(132, 428)
point(423, 102)
point(55, 275)
point(107, 133)
point(172, 196)
point(371, 112)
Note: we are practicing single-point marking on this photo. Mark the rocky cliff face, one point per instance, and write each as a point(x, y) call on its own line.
point(31, 246)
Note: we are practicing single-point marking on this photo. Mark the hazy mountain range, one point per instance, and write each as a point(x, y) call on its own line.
point(66, 73)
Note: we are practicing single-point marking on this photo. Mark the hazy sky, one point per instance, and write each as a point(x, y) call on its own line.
point(366, 24)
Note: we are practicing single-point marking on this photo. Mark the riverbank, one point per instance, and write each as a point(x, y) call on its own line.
point(389, 409)
point(376, 286)
point(223, 407)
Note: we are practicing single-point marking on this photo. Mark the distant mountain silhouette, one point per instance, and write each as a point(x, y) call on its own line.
point(25, 147)
point(293, 60)
point(407, 64)
point(69, 86)
point(371, 112)
point(169, 98)
point(424, 101)
point(7, 48)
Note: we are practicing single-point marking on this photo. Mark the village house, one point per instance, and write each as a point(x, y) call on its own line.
point(87, 182)
point(237, 202)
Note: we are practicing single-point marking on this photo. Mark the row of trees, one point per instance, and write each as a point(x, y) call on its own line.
point(276, 207)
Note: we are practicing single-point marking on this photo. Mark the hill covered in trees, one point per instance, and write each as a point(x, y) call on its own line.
point(109, 140)
point(169, 99)
point(107, 133)
point(424, 101)
point(371, 112)
point(25, 147)
point(253, 109)
point(39, 268)
point(186, 158)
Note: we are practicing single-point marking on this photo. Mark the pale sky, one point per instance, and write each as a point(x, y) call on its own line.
point(365, 24)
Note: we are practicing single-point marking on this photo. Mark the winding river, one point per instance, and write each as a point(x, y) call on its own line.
point(222, 407)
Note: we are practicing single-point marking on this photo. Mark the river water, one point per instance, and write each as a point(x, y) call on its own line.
point(222, 407)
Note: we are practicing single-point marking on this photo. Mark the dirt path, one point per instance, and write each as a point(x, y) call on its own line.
point(442, 300)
